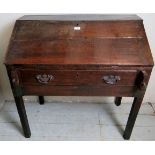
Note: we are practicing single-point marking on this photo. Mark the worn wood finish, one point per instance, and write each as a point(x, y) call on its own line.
point(79, 55)
point(127, 91)
point(101, 51)
point(105, 40)
point(88, 29)
point(74, 77)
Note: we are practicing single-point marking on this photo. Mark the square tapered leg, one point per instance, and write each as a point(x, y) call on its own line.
point(118, 101)
point(41, 100)
point(23, 117)
point(132, 117)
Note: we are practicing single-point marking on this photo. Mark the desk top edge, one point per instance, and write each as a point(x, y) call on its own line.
point(82, 17)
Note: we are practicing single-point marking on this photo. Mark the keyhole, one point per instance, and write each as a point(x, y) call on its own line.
point(77, 27)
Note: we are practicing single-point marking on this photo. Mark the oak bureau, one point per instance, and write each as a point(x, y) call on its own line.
point(79, 55)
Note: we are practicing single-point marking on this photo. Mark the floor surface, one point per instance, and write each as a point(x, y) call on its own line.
point(76, 121)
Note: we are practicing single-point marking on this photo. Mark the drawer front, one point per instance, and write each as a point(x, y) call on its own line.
point(129, 91)
point(48, 77)
point(64, 77)
point(108, 78)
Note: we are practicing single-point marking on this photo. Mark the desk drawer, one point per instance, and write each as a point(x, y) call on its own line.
point(76, 77)
point(108, 77)
point(48, 77)
point(80, 90)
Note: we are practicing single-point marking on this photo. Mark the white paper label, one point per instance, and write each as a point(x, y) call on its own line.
point(77, 28)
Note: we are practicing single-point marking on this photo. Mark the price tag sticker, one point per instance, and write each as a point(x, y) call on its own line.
point(77, 28)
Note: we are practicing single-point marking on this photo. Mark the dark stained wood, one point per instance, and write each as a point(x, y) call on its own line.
point(74, 77)
point(132, 116)
point(23, 117)
point(41, 100)
point(118, 101)
point(97, 51)
point(88, 29)
point(79, 55)
point(104, 42)
point(126, 91)
point(83, 67)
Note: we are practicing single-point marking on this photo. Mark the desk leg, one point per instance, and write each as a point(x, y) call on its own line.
point(118, 101)
point(23, 117)
point(41, 99)
point(132, 117)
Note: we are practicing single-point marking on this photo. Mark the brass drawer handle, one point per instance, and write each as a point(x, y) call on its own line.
point(111, 79)
point(44, 79)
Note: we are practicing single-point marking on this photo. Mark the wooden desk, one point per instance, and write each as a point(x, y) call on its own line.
point(79, 55)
